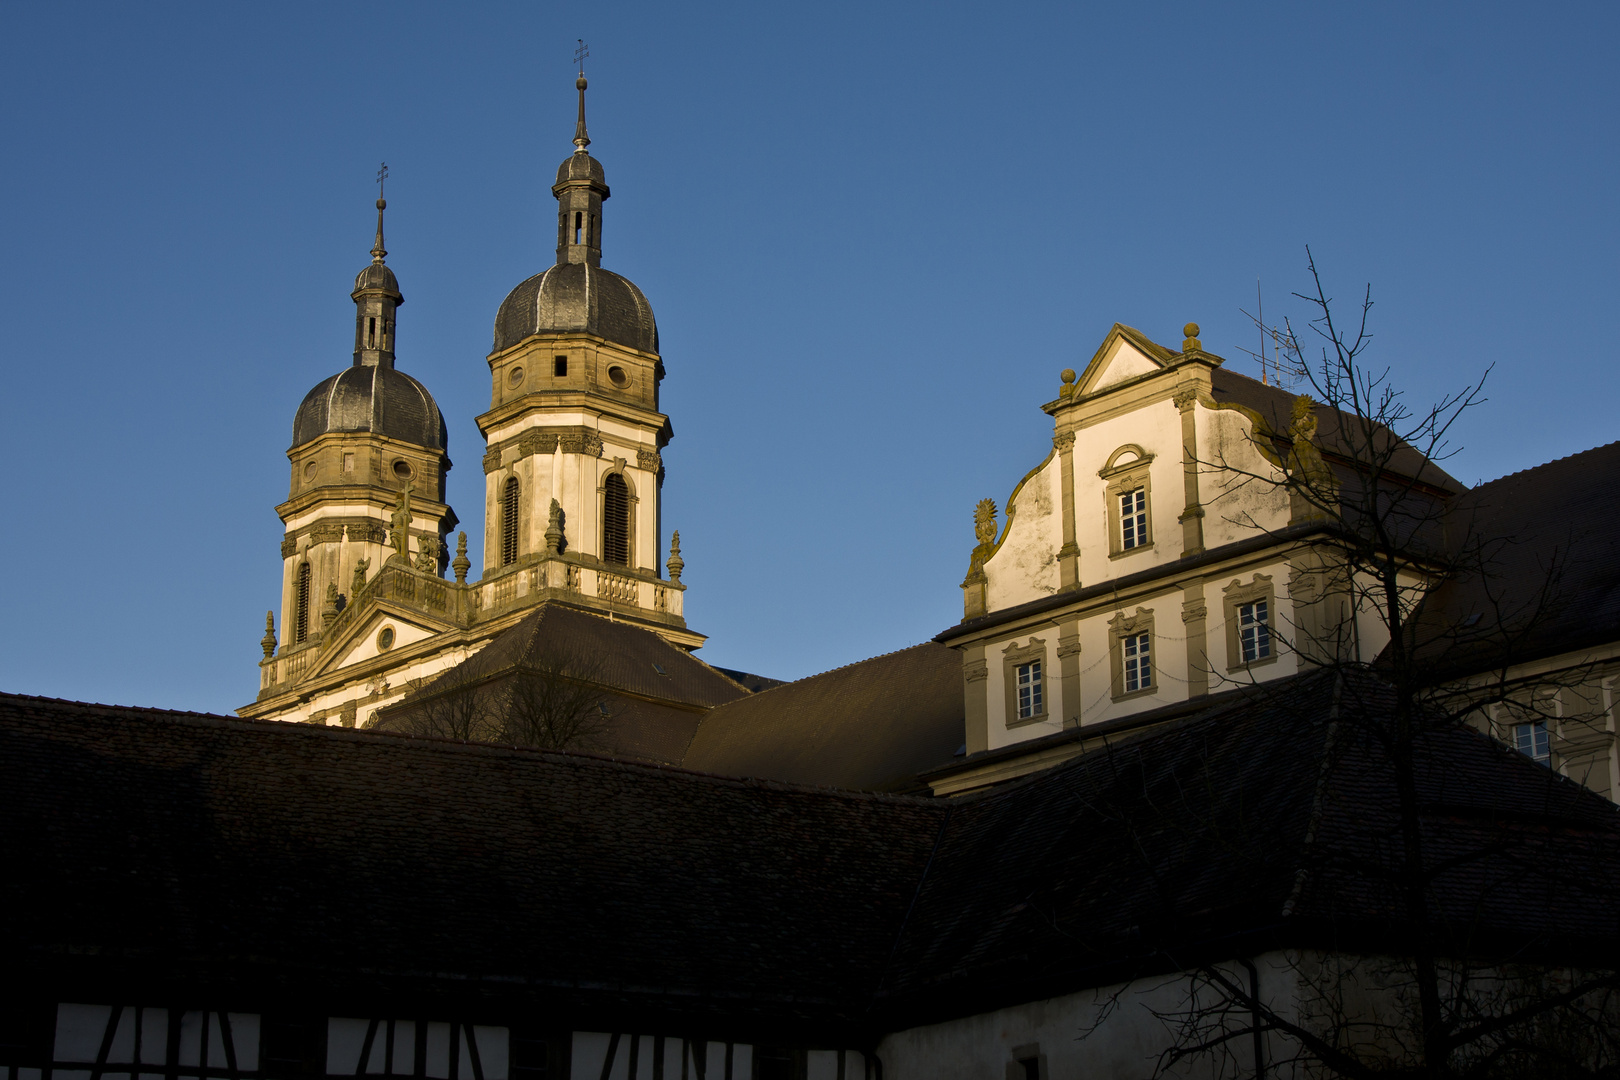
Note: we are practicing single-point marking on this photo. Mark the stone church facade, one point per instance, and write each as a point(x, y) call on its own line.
point(572, 465)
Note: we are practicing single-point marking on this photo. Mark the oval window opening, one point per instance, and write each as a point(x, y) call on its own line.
point(514, 377)
point(385, 638)
point(309, 470)
point(403, 470)
point(618, 376)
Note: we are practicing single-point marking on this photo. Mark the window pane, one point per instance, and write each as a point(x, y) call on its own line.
point(1533, 742)
point(1253, 632)
point(1133, 518)
point(1029, 689)
point(1138, 670)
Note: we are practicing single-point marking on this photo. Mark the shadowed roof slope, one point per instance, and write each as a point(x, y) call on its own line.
point(655, 694)
point(213, 856)
point(871, 726)
point(1276, 406)
point(1548, 579)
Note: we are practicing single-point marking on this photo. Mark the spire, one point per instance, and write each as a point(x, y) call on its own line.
point(376, 296)
point(377, 249)
point(580, 189)
point(581, 139)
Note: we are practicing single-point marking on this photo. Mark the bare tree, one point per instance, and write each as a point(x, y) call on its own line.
point(1373, 529)
point(554, 701)
point(458, 704)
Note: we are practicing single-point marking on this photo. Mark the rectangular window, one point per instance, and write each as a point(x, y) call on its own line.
point(1133, 519)
point(1531, 741)
point(559, 366)
point(1136, 651)
point(1254, 632)
point(1030, 696)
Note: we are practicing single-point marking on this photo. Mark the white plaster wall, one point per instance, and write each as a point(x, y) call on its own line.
point(590, 1048)
point(1074, 1036)
point(1156, 428)
point(995, 656)
point(1025, 567)
point(1123, 361)
point(1236, 508)
point(1282, 621)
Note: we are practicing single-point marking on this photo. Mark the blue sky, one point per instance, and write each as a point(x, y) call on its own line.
point(872, 235)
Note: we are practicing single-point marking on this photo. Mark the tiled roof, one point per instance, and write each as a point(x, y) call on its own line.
point(870, 726)
point(654, 693)
point(1547, 579)
point(1276, 405)
point(343, 866)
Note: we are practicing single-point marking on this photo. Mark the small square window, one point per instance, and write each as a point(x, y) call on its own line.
point(1133, 519)
point(1030, 692)
point(1254, 631)
point(1137, 653)
point(1531, 740)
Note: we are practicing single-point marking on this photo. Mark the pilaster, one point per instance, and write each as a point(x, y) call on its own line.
point(976, 698)
point(1068, 653)
point(1195, 617)
point(1192, 516)
point(1069, 553)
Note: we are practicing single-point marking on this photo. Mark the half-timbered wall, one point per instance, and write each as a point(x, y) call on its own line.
point(128, 1042)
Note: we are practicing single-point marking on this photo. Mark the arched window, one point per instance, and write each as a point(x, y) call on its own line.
point(509, 522)
point(301, 605)
point(615, 521)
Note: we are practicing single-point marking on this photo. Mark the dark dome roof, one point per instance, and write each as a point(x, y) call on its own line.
point(581, 167)
point(371, 398)
point(376, 275)
point(577, 297)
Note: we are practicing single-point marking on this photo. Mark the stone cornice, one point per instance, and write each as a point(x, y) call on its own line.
point(583, 401)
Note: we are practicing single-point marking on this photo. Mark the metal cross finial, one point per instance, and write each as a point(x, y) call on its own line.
point(382, 174)
point(580, 54)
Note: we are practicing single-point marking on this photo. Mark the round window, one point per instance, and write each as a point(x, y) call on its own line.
point(403, 470)
point(385, 638)
point(309, 470)
point(618, 376)
point(514, 378)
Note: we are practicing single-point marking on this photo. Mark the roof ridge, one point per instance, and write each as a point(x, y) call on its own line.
point(1532, 468)
point(832, 671)
point(442, 744)
point(9, 695)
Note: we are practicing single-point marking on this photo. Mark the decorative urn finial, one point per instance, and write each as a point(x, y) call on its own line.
point(554, 530)
point(268, 642)
point(461, 564)
point(676, 564)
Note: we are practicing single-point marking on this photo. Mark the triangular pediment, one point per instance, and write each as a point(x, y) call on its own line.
point(1126, 354)
point(363, 639)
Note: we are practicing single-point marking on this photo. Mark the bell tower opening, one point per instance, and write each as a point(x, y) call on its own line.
point(509, 522)
point(615, 521)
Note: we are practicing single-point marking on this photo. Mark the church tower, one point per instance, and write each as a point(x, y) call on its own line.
point(573, 467)
point(368, 444)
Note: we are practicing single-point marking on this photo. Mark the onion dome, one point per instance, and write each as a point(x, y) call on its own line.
point(572, 297)
point(372, 395)
point(577, 295)
point(371, 398)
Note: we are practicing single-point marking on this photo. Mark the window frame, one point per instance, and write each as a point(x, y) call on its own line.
point(1121, 479)
point(1258, 589)
point(1122, 628)
point(1013, 657)
point(629, 518)
point(1545, 757)
point(511, 520)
